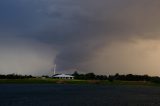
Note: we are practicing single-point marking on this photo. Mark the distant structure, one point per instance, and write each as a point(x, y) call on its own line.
point(61, 76)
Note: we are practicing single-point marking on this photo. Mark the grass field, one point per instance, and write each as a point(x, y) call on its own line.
point(62, 81)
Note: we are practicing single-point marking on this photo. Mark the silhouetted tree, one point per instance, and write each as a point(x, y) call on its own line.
point(76, 75)
point(90, 76)
point(111, 78)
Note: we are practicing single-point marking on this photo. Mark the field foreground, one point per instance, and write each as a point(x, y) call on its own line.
point(63, 81)
point(78, 95)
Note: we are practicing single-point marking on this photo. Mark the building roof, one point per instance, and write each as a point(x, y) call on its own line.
point(63, 75)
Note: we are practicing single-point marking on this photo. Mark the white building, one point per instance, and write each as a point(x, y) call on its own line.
point(63, 76)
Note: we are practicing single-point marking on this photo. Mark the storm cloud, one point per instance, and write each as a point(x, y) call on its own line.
point(105, 36)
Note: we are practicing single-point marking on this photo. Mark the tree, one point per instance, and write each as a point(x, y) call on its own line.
point(90, 76)
point(110, 78)
point(76, 75)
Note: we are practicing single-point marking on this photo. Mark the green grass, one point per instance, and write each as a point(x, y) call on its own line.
point(62, 81)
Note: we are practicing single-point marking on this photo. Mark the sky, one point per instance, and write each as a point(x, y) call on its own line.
point(100, 36)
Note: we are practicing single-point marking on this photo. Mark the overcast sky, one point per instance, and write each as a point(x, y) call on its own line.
point(100, 36)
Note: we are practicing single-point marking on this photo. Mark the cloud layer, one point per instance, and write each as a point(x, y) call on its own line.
point(105, 36)
point(23, 56)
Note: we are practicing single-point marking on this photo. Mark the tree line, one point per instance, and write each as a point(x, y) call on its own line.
point(128, 77)
point(15, 76)
point(92, 76)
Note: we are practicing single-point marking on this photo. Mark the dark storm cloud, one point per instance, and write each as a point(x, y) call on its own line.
point(78, 30)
